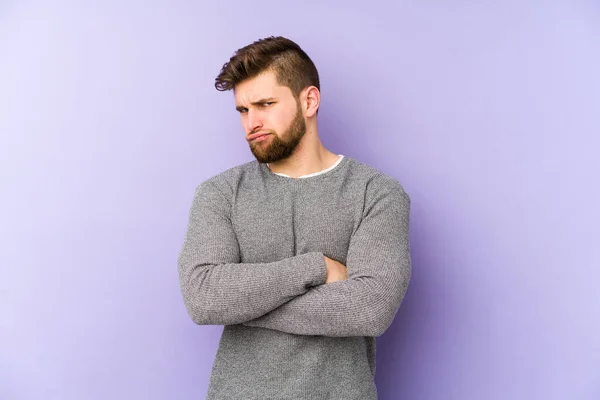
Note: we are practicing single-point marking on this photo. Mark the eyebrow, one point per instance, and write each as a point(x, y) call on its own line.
point(255, 103)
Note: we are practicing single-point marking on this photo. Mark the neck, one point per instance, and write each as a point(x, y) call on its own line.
point(308, 158)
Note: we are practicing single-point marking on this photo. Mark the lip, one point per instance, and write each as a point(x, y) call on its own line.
point(257, 135)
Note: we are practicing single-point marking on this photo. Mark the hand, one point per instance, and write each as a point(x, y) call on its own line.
point(336, 271)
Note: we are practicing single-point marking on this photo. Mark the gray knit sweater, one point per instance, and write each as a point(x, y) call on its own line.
point(252, 260)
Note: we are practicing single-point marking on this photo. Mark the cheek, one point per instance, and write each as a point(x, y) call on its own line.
point(285, 119)
point(245, 122)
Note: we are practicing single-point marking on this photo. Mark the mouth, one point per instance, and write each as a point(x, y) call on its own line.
point(257, 137)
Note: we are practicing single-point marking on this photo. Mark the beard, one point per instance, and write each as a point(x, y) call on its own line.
point(276, 147)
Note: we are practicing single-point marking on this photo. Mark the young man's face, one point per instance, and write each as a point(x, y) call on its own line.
point(268, 108)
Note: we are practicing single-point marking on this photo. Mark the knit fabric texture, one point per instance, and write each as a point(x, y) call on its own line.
point(253, 261)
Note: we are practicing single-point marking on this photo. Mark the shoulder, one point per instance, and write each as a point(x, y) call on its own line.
point(375, 181)
point(226, 182)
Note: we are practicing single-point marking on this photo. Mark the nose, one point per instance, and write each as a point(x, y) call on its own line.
point(254, 120)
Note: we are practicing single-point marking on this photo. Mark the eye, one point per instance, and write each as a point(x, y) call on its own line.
point(267, 104)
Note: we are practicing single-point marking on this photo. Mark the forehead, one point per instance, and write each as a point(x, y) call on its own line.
point(260, 87)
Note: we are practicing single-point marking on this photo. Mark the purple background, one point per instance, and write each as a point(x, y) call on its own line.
point(489, 114)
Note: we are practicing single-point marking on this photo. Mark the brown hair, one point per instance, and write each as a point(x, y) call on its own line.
point(292, 66)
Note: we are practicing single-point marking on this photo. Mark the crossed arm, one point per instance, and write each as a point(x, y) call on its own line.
point(291, 295)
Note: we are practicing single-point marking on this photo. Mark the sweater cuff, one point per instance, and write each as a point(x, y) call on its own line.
point(316, 268)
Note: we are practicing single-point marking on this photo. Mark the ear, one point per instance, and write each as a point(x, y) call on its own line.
point(312, 101)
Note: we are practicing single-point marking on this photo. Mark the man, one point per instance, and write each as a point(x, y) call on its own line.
point(302, 255)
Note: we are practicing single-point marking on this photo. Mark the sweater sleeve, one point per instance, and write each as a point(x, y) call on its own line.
point(378, 272)
point(219, 290)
